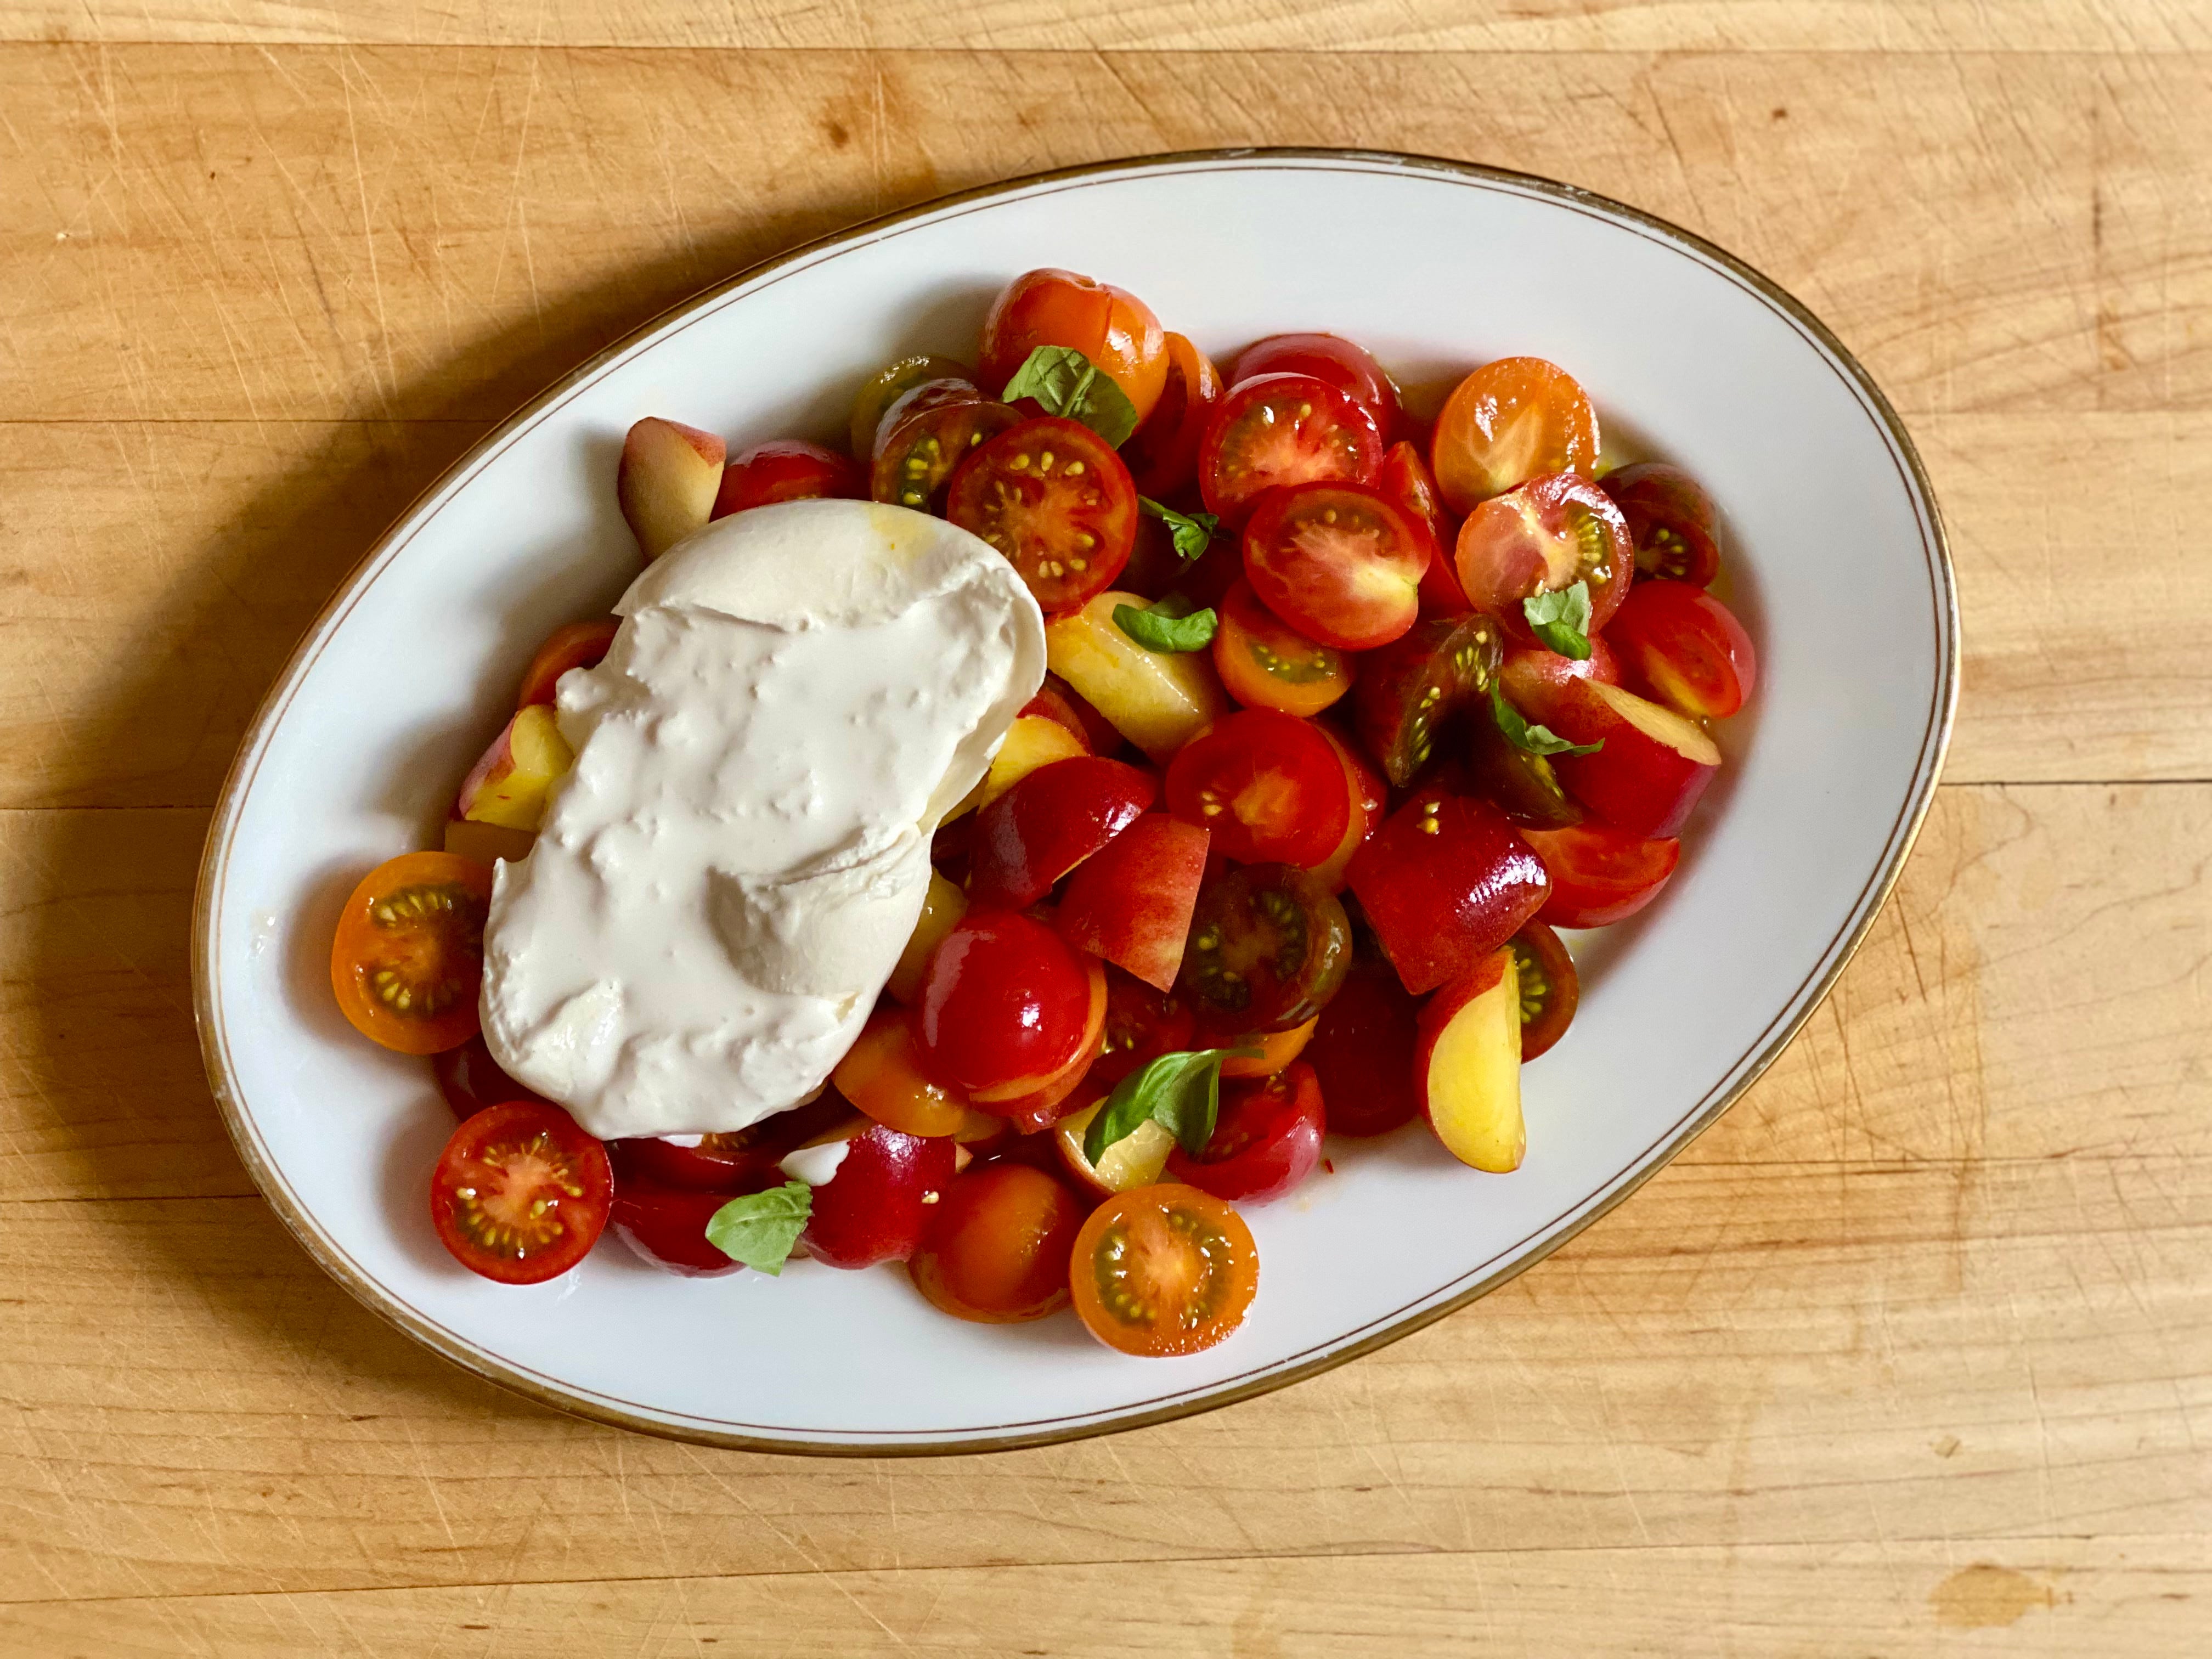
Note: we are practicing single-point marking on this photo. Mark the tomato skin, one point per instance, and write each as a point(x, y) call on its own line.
point(881, 1073)
point(520, 1193)
point(995, 1250)
point(1366, 797)
point(668, 1227)
point(1412, 687)
point(1440, 899)
point(1164, 1270)
point(1049, 823)
point(1405, 478)
point(1031, 1103)
point(785, 470)
point(1111, 326)
point(1550, 988)
point(1004, 1000)
point(1269, 944)
point(1266, 1141)
point(741, 1161)
point(472, 1081)
point(574, 645)
point(1342, 562)
point(1142, 1024)
point(1053, 496)
point(1600, 875)
point(1680, 646)
point(1283, 429)
point(925, 436)
point(885, 387)
point(1670, 519)
point(1265, 784)
point(1329, 358)
point(1163, 452)
point(1506, 423)
point(874, 1208)
point(1131, 903)
point(1264, 663)
point(407, 959)
point(1646, 781)
point(1362, 1052)
point(1549, 533)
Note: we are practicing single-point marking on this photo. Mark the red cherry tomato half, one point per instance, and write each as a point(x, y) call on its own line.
point(1362, 1051)
point(1048, 823)
point(1269, 944)
point(1266, 1140)
point(787, 469)
point(1410, 688)
point(1444, 882)
point(1053, 497)
point(1683, 647)
point(1163, 453)
point(1670, 519)
point(1003, 999)
point(876, 1205)
point(1340, 562)
point(1550, 533)
point(577, 645)
point(1142, 1024)
point(1264, 663)
point(925, 436)
point(1329, 358)
point(1506, 423)
point(1267, 785)
point(520, 1193)
point(667, 1226)
point(1600, 874)
point(1164, 1270)
point(1283, 429)
point(1550, 988)
point(472, 1081)
point(1405, 479)
point(1111, 326)
point(995, 1250)
point(1131, 903)
point(1365, 797)
point(736, 1161)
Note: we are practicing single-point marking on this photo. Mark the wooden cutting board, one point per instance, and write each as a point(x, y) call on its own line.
point(1911, 1354)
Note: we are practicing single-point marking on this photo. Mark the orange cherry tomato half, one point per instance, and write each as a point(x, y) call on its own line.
point(1506, 423)
point(1164, 1270)
point(408, 959)
point(1111, 326)
point(1053, 497)
point(995, 1247)
point(520, 1193)
point(1163, 453)
point(882, 1074)
point(1266, 663)
point(573, 645)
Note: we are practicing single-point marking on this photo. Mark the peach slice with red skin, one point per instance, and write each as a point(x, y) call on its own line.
point(1467, 1065)
point(667, 481)
point(510, 785)
point(1654, 765)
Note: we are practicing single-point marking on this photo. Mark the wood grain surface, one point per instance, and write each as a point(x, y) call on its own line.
point(1911, 1355)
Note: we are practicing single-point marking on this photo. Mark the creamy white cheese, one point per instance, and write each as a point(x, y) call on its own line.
point(797, 695)
point(815, 1165)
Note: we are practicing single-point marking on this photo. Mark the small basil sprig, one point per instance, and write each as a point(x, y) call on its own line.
point(1181, 1093)
point(1170, 625)
point(760, 1229)
point(1532, 739)
point(1561, 620)
point(1068, 383)
point(1192, 532)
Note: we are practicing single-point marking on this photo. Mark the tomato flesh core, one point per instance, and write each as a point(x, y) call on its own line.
point(1161, 1269)
point(521, 1192)
point(423, 931)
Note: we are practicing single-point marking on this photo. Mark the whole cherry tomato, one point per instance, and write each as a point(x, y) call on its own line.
point(1111, 326)
point(472, 1081)
point(995, 1250)
point(787, 469)
point(1003, 999)
point(667, 1226)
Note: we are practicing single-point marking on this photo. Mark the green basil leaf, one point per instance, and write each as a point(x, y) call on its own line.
point(1158, 628)
point(1562, 619)
point(1532, 739)
point(1181, 1093)
point(1068, 383)
point(760, 1229)
point(1192, 532)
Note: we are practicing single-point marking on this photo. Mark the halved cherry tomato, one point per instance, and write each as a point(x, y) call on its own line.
point(1411, 687)
point(1683, 647)
point(1533, 678)
point(1522, 786)
point(1365, 797)
point(1507, 422)
point(1340, 562)
point(881, 1073)
point(1109, 325)
point(995, 1250)
point(1550, 533)
point(925, 437)
point(1164, 1270)
point(1550, 988)
point(1053, 497)
point(1362, 1051)
point(667, 1226)
point(1142, 1024)
point(1269, 944)
point(1266, 663)
point(520, 1193)
point(1131, 903)
point(1048, 823)
point(1670, 519)
point(1600, 874)
point(878, 1202)
point(731, 1161)
point(785, 470)
point(472, 1081)
point(1283, 429)
point(1265, 784)
point(1004, 999)
point(886, 386)
point(408, 959)
point(1330, 358)
point(1266, 1140)
point(1163, 453)
point(574, 645)
point(1444, 882)
point(1406, 480)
